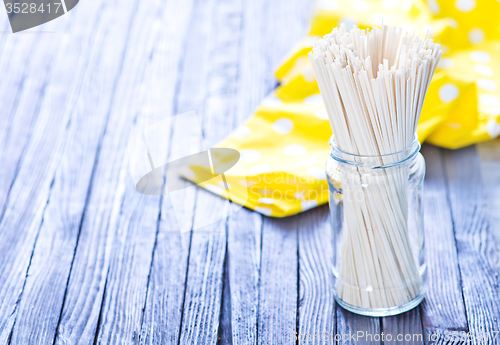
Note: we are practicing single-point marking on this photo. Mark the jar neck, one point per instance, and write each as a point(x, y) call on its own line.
point(377, 161)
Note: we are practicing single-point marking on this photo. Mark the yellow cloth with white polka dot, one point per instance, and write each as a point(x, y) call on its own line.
point(284, 145)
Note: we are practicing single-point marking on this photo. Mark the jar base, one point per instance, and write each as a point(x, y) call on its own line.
point(376, 312)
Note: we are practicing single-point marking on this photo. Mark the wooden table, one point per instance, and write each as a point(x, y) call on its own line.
point(85, 259)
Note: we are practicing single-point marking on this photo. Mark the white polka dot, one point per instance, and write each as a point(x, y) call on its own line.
point(299, 195)
point(246, 183)
point(294, 150)
point(491, 111)
point(264, 210)
point(348, 22)
point(465, 5)
point(487, 84)
point(222, 185)
point(448, 93)
point(272, 101)
point(314, 101)
point(316, 172)
point(214, 189)
point(484, 70)
point(445, 49)
point(493, 128)
point(433, 6)
point(453, 24)
point(321, 114)
point(283, 125)
point(388, 4)
point(361, 5)
point(476, 36)
point(328, 5)
point(241, 132)
point(307, 161)
point(308, 204)
point(489, 100)
point(249, 155)
point(259, 169)
point(480, 56)
point(301, 61)
point(445, 63)
point(267, 201)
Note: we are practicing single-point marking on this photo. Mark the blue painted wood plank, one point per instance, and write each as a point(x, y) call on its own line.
point(278, 288)
point(124, 306)
point(316, 301)
point(192, 290)
point(443, 307)
point(167, 275)
point(241, 277)
point(405, 328)
point(477, 256)
point(244, 260)
point(22, 90)
point(106, 226)
point(45, 287)
point(217, 35)
point(489, 155)
point(261, 55)
point(29, 194)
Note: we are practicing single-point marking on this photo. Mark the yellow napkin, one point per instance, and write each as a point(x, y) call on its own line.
point(284, 145)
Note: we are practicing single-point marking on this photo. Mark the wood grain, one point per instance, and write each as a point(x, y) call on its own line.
point(277, 317)
point(261, 53)
point(443, 307)
point(163, 312)
point(126, 286)
point(225, 323)
point(87, 283)
point(86, 259)
point(244, 260)
point(21, 92)
point(51, 261)
point(216, 73)
point(19, 49)
point(489, 155)
point(244, 228)
point(404, 329)
point(316, 301)
point(31, 189)
point(349, 324)
point(130, 265)
point(163, 307)
point(477, 255)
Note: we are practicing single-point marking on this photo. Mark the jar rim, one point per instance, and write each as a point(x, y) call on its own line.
point(393, 159)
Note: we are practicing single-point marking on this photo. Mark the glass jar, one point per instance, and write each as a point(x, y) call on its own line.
point(377, 230)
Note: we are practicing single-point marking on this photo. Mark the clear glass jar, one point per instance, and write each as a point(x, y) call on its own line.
point(377, 230)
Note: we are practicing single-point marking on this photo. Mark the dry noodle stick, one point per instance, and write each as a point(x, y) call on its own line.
point(374, 84)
